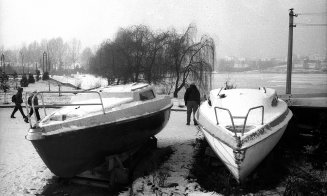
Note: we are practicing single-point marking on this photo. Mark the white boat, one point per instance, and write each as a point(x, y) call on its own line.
point(242, 126)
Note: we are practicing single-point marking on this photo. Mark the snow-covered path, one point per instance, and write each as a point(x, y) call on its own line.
point(22, 172)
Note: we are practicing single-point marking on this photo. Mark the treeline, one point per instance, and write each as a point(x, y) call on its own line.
point(235, 65)
point(55, 54)
point(139, 54)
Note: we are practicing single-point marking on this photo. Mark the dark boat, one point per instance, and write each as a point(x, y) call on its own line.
point(74, 139)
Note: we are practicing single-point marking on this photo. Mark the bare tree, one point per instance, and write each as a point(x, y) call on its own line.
point(85, 57)
point(139, 54)
point(23, 54)
point(190, 57)
point(74, 50)
point(154, 56)
point(34, 52)
point(56, 50)
point(61, 52)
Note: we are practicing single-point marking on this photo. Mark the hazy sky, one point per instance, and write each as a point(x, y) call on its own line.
point(242, 28)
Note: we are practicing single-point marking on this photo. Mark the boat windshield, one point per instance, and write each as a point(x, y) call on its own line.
point(147, 95)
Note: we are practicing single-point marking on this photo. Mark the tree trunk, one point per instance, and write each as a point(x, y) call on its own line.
point(175, 93)
point(178, 89)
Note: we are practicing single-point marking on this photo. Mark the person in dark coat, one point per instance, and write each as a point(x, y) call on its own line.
point(192, 102)
point(18, 104)
point(36, 102)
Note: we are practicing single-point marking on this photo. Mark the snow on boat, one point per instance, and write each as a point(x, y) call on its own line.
point(242, 126)
point(98, 123)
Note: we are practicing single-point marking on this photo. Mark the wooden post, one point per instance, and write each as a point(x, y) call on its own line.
point(3, 65)
point(59, 89)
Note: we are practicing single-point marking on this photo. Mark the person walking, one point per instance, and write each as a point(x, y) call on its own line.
point(192, 102)
point(18, 103)
point(36, 102)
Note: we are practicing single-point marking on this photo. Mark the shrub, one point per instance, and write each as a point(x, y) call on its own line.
point(3, 77)
point(4, 82)
point(15, 75)
point(24, 81)
point(31, 78)
point(45, 76)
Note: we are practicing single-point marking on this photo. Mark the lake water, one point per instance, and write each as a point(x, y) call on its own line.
point(301, 83)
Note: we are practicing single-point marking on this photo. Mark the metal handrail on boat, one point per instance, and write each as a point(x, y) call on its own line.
point(239, 117)
point(264, 88)
point(57, 105)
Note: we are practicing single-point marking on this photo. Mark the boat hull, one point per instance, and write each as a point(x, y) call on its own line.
point(241, 162)
point(69, 153)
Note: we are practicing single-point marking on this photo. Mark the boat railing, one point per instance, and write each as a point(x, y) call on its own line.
point(240, 117)
point(32, 107)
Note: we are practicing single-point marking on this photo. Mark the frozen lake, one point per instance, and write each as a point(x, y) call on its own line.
point(301, 83)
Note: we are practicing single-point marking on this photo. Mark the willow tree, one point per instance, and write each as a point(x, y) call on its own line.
point(155, 63)
point(190, 58)
point(137, 53)
point(133, 55)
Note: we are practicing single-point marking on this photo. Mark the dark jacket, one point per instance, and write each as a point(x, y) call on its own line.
point(36, 101)
point(19, 97)
point(192, 94)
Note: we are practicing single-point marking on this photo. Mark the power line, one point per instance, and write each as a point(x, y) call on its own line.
point(314, 14)
point(305, 24)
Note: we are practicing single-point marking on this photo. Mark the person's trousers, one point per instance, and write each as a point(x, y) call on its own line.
point(36, 113)
point(18, 107)
point(192, 106)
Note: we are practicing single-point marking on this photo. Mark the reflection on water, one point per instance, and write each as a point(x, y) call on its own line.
point(301, 83)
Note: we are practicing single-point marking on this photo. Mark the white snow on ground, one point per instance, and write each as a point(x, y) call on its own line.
point(176, 169)
point(22, 172)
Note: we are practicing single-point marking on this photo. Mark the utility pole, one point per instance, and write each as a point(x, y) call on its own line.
point(290, 51)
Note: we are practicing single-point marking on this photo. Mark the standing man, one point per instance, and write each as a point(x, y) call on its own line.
point(18, 103)
point(192, 102)
point(36, 103)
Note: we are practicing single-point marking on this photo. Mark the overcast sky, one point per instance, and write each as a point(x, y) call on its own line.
point(241, 28)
